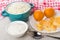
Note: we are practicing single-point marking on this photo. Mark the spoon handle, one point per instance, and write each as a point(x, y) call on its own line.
point(53, 37)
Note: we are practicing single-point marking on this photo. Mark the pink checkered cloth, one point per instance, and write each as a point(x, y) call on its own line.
point(39, 4)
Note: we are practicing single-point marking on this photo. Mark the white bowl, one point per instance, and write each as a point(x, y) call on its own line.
point(17, 28)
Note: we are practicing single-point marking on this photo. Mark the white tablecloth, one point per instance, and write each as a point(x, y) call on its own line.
point(5, 36)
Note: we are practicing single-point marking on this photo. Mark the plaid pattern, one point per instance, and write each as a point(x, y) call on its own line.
point(39, 4)
point(42, 4)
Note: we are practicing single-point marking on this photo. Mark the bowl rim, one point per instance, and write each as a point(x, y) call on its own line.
point(26, 26)
point(15, 2)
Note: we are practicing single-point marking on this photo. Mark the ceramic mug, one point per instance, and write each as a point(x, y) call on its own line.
point(22, 16)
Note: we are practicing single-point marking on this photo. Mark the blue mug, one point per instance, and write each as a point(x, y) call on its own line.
point(23, 16)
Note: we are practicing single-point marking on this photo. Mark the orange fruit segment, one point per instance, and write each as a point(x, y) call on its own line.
point(49, 12)
point(38, 15)
point(47, 28)
point(57, 21)
point(39, 27)
point(53, 27)
point(52, 19)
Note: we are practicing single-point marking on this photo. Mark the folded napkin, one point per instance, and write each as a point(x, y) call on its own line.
point(39, 4)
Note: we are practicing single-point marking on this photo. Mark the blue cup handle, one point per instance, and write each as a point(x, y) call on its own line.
point(4, 13)
point(32, 5)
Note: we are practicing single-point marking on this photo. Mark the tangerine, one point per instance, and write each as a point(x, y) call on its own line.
point(38, 15)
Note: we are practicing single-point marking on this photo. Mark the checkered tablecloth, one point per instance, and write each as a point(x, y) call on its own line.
point(39, 4)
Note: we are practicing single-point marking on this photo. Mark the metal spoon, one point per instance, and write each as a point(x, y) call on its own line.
point(38, 35)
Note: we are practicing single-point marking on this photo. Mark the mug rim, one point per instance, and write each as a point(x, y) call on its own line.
point(19, 13)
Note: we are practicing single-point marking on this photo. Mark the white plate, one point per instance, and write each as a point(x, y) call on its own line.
point(33, 22)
